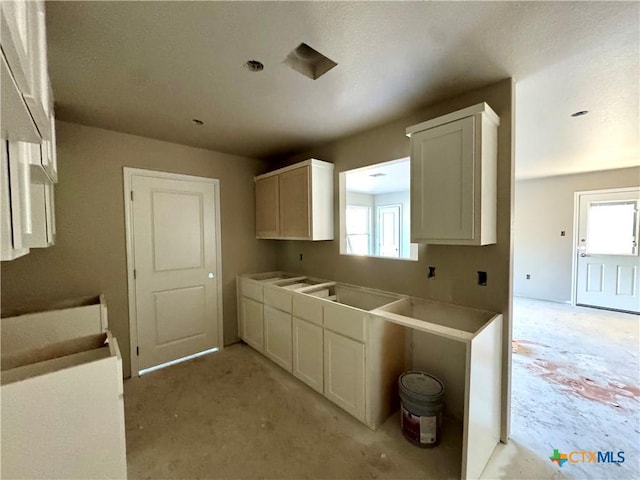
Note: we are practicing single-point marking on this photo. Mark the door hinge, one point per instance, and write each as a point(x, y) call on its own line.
point(134, 274)
point(138, 351)
point(131, 195)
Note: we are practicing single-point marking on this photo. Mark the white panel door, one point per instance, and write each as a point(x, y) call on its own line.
point(176, 288)
point(277, 337)
point(307, 354)
point(344, 381)
point(608, 266)
point(389, 230)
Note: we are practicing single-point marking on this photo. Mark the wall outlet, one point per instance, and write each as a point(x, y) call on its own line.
point(432, 272)
point(563, 233)
point(300, 257)
point(528, 276)
point(482, 279)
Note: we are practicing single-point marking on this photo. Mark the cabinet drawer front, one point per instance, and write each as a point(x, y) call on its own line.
point(346, 321)
point(308, 308)
point(251, 290)
point(276, 298)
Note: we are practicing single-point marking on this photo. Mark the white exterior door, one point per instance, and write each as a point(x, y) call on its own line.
point(389, 230)
point(174, 234)
point(608, 266)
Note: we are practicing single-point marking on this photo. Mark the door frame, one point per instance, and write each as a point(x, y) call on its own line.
point(576, 226)
point(127, 174)
point(378, 235)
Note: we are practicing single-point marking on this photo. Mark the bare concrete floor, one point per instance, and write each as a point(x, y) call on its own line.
point(575, 387)
point(235, 414)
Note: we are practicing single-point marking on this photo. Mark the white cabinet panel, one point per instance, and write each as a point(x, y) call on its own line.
point(344, 374)
point(308, 354)
point(252, 323)
point(277, 298)
point(346, 321)
point(277, 337)
point(453, 178)
point(308, 308)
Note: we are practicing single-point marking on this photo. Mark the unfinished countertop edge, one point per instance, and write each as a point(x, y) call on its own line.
point(423, 326)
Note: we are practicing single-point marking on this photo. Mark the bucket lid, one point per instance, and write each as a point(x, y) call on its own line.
point(421, 386)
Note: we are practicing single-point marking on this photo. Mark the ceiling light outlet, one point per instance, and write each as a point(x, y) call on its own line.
point(309, 62)
point(580, 113)
point(254, 65)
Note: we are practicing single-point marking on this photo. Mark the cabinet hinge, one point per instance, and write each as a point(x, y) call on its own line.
point(131, 195)
point(134, 274)
point(138, 351)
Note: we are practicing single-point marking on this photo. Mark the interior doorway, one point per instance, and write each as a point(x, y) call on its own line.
point(174, 266)
point(607, 266)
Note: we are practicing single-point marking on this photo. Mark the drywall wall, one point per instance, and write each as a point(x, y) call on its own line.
point(456, 266)
point(544, 207)
point(90, 256)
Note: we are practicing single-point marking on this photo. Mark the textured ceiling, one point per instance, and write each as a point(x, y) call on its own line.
point(148, 68)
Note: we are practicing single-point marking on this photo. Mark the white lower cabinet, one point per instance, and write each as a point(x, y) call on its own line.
point(62, 394)
point(252, 323)
point(308, 353)
point(344, 374)
point(277, 337)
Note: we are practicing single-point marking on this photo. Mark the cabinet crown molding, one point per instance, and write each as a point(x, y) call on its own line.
point(480, 108)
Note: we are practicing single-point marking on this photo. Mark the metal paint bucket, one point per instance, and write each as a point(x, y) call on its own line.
point(421, 408)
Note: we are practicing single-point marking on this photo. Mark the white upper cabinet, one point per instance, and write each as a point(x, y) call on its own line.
point(453, 178)
point(296, 202)
point(24, 49)
point(28, 164)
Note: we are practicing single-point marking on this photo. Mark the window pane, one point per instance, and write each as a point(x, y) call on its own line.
point(358, 244)
point(611, 228)
point(357, 220)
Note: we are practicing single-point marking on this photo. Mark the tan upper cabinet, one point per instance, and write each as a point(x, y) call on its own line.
point(296, 202)
point(267, 207)
point(453, 178)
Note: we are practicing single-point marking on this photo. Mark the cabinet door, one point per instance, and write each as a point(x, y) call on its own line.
point(295, 203)
point(267, 214)
point(344, 382)
point(307, 354)
point(253, 328)
point(277, 337)
point(442, 182)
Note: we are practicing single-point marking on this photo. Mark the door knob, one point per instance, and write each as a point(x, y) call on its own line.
point(211, 275)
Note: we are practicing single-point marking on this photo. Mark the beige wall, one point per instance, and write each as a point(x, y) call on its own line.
point(456, 266)
point(543, 208)
point(90, 257)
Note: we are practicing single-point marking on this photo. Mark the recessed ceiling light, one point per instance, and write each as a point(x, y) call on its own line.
point(254, 65)
point(197, 122)
point(580, 113)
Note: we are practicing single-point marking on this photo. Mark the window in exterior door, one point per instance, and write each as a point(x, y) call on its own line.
point(612, 228)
